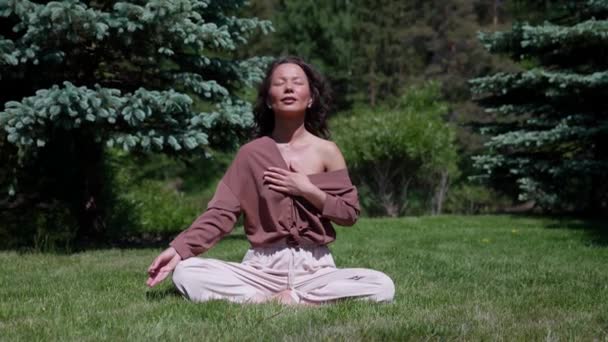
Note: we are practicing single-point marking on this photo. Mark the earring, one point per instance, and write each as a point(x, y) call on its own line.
point(269, 106)
point(309, 104)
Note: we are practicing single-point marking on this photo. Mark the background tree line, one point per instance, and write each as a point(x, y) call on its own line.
point(377, 53)
point(118, 117)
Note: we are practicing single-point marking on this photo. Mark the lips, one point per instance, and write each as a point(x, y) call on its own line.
point(288, 99)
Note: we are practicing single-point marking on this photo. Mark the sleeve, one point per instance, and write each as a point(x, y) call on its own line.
point(218, 220)
point(342, 206)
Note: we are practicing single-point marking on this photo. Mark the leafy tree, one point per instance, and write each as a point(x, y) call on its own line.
point(319, 31)
point(145, 76)
point(552, 125)
point(407, 146)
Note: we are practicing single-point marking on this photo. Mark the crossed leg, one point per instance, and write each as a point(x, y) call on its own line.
point(340, 283)
point(202, 279)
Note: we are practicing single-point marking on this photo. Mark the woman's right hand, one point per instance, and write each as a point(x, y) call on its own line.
point(162, 265)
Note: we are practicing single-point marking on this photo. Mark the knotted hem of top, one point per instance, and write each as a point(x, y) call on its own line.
point(290, 241)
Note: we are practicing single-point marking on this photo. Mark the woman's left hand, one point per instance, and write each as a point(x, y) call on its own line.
point(290, 182)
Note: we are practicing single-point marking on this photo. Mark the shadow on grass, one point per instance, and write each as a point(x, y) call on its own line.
point(127, 241)
point(156, 295)
point(144, 241)
point(595, 228)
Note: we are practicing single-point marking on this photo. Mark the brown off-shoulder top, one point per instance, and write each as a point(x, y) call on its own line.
point(270, 216)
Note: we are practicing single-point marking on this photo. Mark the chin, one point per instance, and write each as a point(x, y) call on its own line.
point(291, 112)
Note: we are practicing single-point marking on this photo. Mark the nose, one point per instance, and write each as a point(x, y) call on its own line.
point(288, 88)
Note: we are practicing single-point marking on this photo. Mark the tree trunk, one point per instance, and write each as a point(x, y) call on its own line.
point(89, 207)
point(373, 86)
point(384, 176)
point(405, 188)
point(382, 185)
point(440, 193)
point(495, 9)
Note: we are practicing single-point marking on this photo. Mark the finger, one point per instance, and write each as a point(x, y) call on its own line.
point(157, 279)
point(176, 260)
point(155, 267)
point(274, 180)
point(164, 271)
point(150, 281)
point(152, 272)
point(155, 263)
point(273, 174)
point(278, 188)
point(278, 182)
point(278, 170)
point(170, 266)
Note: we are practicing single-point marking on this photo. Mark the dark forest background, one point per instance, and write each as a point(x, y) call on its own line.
point(452, 106)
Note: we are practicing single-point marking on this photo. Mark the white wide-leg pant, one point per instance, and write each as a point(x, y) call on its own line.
point(309, 272)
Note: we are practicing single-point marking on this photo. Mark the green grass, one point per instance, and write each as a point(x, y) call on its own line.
point(472, 278)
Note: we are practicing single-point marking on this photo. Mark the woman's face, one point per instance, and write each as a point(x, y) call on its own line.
point(289, 90)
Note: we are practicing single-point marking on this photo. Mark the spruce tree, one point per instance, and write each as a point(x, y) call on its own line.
point(550, 132)
point(147, 76)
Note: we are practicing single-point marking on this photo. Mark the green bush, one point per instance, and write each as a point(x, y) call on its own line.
point(162, 210)
point(45, 228)
point(474, 199)
point(159, 195)
point(397, 150)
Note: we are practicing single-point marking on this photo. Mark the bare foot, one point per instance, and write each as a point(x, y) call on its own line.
point(286, 297)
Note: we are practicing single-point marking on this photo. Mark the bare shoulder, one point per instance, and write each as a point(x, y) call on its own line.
point(332, 156)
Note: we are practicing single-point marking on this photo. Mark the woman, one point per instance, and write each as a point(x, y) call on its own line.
point(291, 183)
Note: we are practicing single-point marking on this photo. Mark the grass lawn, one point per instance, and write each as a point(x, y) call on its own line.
point(477, 277)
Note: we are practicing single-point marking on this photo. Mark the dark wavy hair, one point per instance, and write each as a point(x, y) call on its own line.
point(316, 115)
